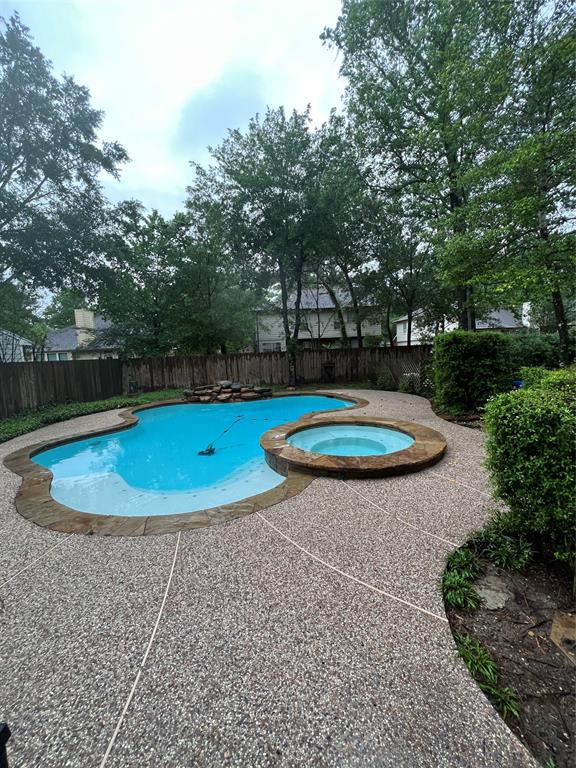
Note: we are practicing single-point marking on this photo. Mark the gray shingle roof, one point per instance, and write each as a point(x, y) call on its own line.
point(319, 299)
point(66, 339)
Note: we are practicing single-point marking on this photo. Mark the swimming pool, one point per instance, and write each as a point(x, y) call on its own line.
point(154, 468)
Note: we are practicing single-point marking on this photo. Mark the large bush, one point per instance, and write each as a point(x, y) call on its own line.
point(532, 348)
point(469, 368)
point(532, 461)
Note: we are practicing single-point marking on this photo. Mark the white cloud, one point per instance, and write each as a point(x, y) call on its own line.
point(147, 62)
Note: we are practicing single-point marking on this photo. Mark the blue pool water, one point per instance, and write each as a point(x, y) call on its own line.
point(154, 467)
point(350, 440)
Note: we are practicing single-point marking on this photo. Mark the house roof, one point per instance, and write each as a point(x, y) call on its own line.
point(500, 318)
point(62, 339)
point(10, 337)
point(313, 299)
point(66, 339)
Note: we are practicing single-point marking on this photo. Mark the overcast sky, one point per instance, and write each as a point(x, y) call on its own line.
point(173, 75)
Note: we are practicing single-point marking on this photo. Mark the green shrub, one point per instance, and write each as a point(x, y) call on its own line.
point(533, 377)
point(409, 384)
point(501, 544)
point(386, 381)
point(51, 414)
point(532, 348)
point(479, 662)
point(458, 592)
point(469, 368)
point(531, 459)
point(464, 562)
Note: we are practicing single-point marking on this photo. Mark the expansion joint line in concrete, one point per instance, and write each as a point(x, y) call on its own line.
point(400, 519)
point(144, 659)
point(63, 540)
point(459, 482)
point(349, 575)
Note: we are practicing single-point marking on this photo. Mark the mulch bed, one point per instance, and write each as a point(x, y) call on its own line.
point(517, 637)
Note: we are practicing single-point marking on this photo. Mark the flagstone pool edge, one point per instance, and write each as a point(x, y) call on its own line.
point(34, 502)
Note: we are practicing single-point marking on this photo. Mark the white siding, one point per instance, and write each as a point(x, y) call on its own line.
point(314, 325)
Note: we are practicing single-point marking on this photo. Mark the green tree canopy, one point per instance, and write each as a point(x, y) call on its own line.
point(266, 179)
point(51, 200)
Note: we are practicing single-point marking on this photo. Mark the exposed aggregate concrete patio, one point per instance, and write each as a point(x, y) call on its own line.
point(310, 634)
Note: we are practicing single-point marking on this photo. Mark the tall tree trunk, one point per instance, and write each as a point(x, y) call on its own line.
point(466, 314)
point(388, 325)
point(466, 311)
point(561, 325)
point(409, 328)
point(291, 339)
point(338, 309)
point(286, 325)
point(355, 307)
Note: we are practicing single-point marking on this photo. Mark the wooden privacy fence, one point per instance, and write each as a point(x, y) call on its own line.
point(323, 365)
point(25, 386)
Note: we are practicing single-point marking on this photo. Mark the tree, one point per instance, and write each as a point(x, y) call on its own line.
point(341, 239)
point(168, 288)
point(51, 199)
point(60, 312)
point(423, 97)
point(219, 298)
point(138, 290)
point(18, 307)
point(266, 180)
point(515, 232)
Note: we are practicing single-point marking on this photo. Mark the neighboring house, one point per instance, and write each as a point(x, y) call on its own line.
point(319, 325)
point(14, 348)
point(498, 320)
point(85, 340)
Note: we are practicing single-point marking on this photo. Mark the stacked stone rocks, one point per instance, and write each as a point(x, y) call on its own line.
point(225, 392)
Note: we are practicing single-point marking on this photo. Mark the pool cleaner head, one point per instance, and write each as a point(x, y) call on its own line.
point(210, 450)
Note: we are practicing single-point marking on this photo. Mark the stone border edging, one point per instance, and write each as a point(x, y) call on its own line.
point(429, 446)
point(34, 502)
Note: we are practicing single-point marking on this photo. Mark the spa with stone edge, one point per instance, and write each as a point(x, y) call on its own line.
point(189, 464)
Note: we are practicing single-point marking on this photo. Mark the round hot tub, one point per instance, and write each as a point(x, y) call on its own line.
point(350, 440)
point(351, 446)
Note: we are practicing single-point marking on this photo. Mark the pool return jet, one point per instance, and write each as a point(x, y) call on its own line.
point(210, 450)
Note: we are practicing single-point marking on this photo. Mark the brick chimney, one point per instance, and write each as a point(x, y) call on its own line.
point(85, 326)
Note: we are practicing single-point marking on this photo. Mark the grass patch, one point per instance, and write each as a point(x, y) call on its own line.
point(487, 674)
point(52, 414)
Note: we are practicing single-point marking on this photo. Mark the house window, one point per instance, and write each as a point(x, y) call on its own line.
point(62, 355)
point(52, 357)
point(337, 325)
point(271, 346)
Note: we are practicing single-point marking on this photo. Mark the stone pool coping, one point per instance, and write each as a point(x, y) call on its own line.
point(429, 446)
point(34, 502)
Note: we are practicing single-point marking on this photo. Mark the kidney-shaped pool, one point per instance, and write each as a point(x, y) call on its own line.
point(155, 468)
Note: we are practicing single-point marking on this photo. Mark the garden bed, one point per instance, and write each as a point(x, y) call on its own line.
point(517, 636)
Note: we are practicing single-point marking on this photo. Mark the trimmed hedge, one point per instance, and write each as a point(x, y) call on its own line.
point(531, 459)
point(51, 414)
point(469, 368)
